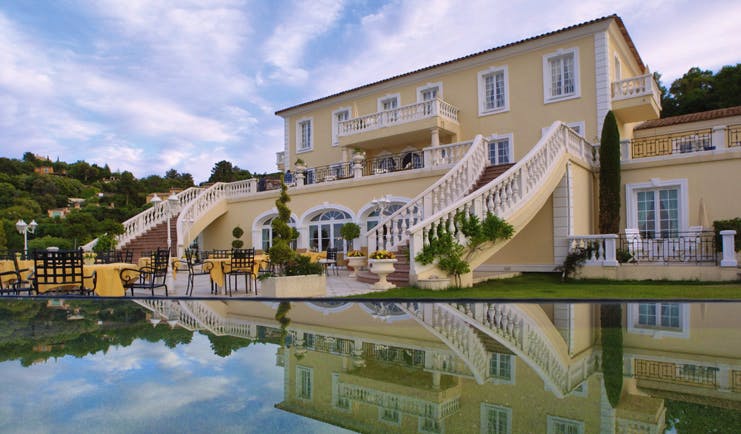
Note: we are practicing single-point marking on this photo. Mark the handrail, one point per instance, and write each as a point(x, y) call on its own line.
point(507, 193)
point(399, 115)
point(206, 201)
point(392, 231)
point(455, 333)
point(149, 218)
point(534, 340)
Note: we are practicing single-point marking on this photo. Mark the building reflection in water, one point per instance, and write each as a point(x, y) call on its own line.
point(492, 367)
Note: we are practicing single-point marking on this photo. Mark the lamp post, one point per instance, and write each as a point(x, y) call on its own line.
point(25, 229)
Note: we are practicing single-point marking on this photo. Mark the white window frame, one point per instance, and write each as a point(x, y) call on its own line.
point(299, 393)
point(336, 123)
point(422, 89)
point(498, 137)
point(299, 135)
point(387, 97)
point(553, 420)
point(548, 96)
point(631, 199)
point(483, 110)
point(484, 419)
point(502, 380)
point(659, 332)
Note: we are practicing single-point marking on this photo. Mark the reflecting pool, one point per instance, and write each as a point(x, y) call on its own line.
point(72, 365)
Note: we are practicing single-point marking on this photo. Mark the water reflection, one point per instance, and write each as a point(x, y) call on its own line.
point(167, 365)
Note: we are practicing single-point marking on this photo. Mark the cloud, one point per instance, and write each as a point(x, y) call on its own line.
point(304, 22)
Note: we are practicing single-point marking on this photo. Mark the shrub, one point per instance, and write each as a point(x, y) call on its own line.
point(301, 265)
point(106, 242)
point(725, 225)
point(573, 261)
point(47, 241)
point(350, 231)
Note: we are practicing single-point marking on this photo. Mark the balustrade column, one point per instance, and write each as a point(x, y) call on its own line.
point(610, 254)
point(718, 138)
point(729, 252)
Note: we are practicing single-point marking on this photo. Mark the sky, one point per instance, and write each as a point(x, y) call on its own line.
point(147, 86)
point(147, 387)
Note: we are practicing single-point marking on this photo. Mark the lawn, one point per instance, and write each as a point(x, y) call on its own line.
point(549, 286)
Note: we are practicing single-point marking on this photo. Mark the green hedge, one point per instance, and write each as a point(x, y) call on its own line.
point(724, 225)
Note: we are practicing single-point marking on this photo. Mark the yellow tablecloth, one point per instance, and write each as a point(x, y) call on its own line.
point(215, 269)
point(7, 265)
point(315, 256)
point(109, 279)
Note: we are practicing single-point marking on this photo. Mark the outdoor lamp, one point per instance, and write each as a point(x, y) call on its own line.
point(25, 229)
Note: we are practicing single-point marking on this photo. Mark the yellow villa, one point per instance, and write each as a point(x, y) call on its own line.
point(485, 366)
point(511, 131)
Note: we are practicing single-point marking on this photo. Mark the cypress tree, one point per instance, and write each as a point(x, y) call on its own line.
point(281, 252)
point(609, 177)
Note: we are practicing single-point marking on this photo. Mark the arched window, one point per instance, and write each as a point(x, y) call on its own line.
point(324, 230)
point(373, 217)
point(267, 233)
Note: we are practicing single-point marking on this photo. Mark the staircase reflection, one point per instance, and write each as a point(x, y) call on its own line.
point(487, 367)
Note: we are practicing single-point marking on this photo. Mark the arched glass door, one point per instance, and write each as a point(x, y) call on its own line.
point(324, 230)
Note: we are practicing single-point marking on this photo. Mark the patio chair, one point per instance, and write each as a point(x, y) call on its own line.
point(218, 254)
point(330, 260)
point(242, 263)
point(60, 272)
point(195, 268)
point(149, 277)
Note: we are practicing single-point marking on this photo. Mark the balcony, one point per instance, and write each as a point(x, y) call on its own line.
point(636, 99)
point(685, 143)
point(407, 124)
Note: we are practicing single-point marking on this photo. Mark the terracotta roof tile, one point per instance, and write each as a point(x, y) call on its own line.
point(617, 19)
point(691, 117)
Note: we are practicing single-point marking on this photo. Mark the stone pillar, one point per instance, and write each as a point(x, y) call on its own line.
point(610, 250)
point(436, 380)
point(435, 137)
point(729, 252)
point(718, 138)
point(252, 182)
point(625, 150)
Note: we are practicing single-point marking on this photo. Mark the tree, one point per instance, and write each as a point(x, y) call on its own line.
point(350, 231)
point(611, 334)
point(237, 233)
point(281, 252)
point(609, 177)
point(3, 238)
point(223, 171)
point(700, 90)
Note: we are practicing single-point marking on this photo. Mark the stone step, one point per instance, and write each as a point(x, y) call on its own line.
point(491, 173)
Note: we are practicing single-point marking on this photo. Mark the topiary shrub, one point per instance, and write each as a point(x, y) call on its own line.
point(350, 231)
point(237, 233)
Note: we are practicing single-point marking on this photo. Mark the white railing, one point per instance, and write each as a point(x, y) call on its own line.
point(394, 401)
point(149, 218)
point(598, 249)
point(401, 115)
point(507, 193)
point(206, 201)
point(458, 181)
point(455, 333)
point(643, 85)
point(217, 324)
point(520, 333)
point(170, 311)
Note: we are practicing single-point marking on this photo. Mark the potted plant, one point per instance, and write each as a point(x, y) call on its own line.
point(89, 258)
point(300, 164)
point(355, 260)
point(381, 262)
point(358, 155)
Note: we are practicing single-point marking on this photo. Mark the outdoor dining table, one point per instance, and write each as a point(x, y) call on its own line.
point(8, 265)
point(108, 278)
point(217, 266)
